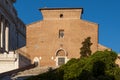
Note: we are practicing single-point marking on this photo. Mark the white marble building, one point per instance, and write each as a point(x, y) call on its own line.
point(12, 38)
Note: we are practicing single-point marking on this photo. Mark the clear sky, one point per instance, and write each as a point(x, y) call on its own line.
point(106, 13)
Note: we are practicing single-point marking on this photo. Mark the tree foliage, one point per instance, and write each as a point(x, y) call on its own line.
point(99, 66)
point(85, 50)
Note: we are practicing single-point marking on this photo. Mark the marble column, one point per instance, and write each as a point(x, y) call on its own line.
point(7, 38)
point(4, 35)
point(1, 34)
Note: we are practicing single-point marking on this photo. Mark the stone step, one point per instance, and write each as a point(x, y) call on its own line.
point(32, 72)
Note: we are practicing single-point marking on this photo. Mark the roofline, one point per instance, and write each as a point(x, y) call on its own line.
point(33, 22)
point(59, 9)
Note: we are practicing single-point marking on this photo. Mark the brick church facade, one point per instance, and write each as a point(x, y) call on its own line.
point(58, 37)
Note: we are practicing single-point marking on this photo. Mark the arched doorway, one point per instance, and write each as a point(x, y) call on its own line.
point(61, 57)
point(36, 61)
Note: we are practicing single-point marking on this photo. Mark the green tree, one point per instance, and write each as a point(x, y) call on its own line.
point(99, 66)
point(85, 50)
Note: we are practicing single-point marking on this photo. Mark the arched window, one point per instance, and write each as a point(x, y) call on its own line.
point(36, 61)
point(60, 53)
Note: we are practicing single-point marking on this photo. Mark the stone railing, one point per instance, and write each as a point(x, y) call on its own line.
point(10, 56)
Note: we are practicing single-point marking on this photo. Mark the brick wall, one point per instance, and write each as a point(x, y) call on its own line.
point(43, 36)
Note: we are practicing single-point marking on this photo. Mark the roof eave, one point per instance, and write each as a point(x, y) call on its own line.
point(59, 9)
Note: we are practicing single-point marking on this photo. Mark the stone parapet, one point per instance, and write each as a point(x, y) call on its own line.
point(8, 57)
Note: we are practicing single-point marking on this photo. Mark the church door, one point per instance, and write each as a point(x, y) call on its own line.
point(60, 57)
point(61, 61)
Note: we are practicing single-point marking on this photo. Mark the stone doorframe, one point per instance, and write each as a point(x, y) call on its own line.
point(58, 55)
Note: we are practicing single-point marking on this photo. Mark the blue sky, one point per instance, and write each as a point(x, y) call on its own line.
point(106, 13)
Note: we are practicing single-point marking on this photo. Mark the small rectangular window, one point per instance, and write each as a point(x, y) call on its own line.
point(61, 33)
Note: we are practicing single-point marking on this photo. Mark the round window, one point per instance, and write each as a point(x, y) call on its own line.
point(61, 15)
